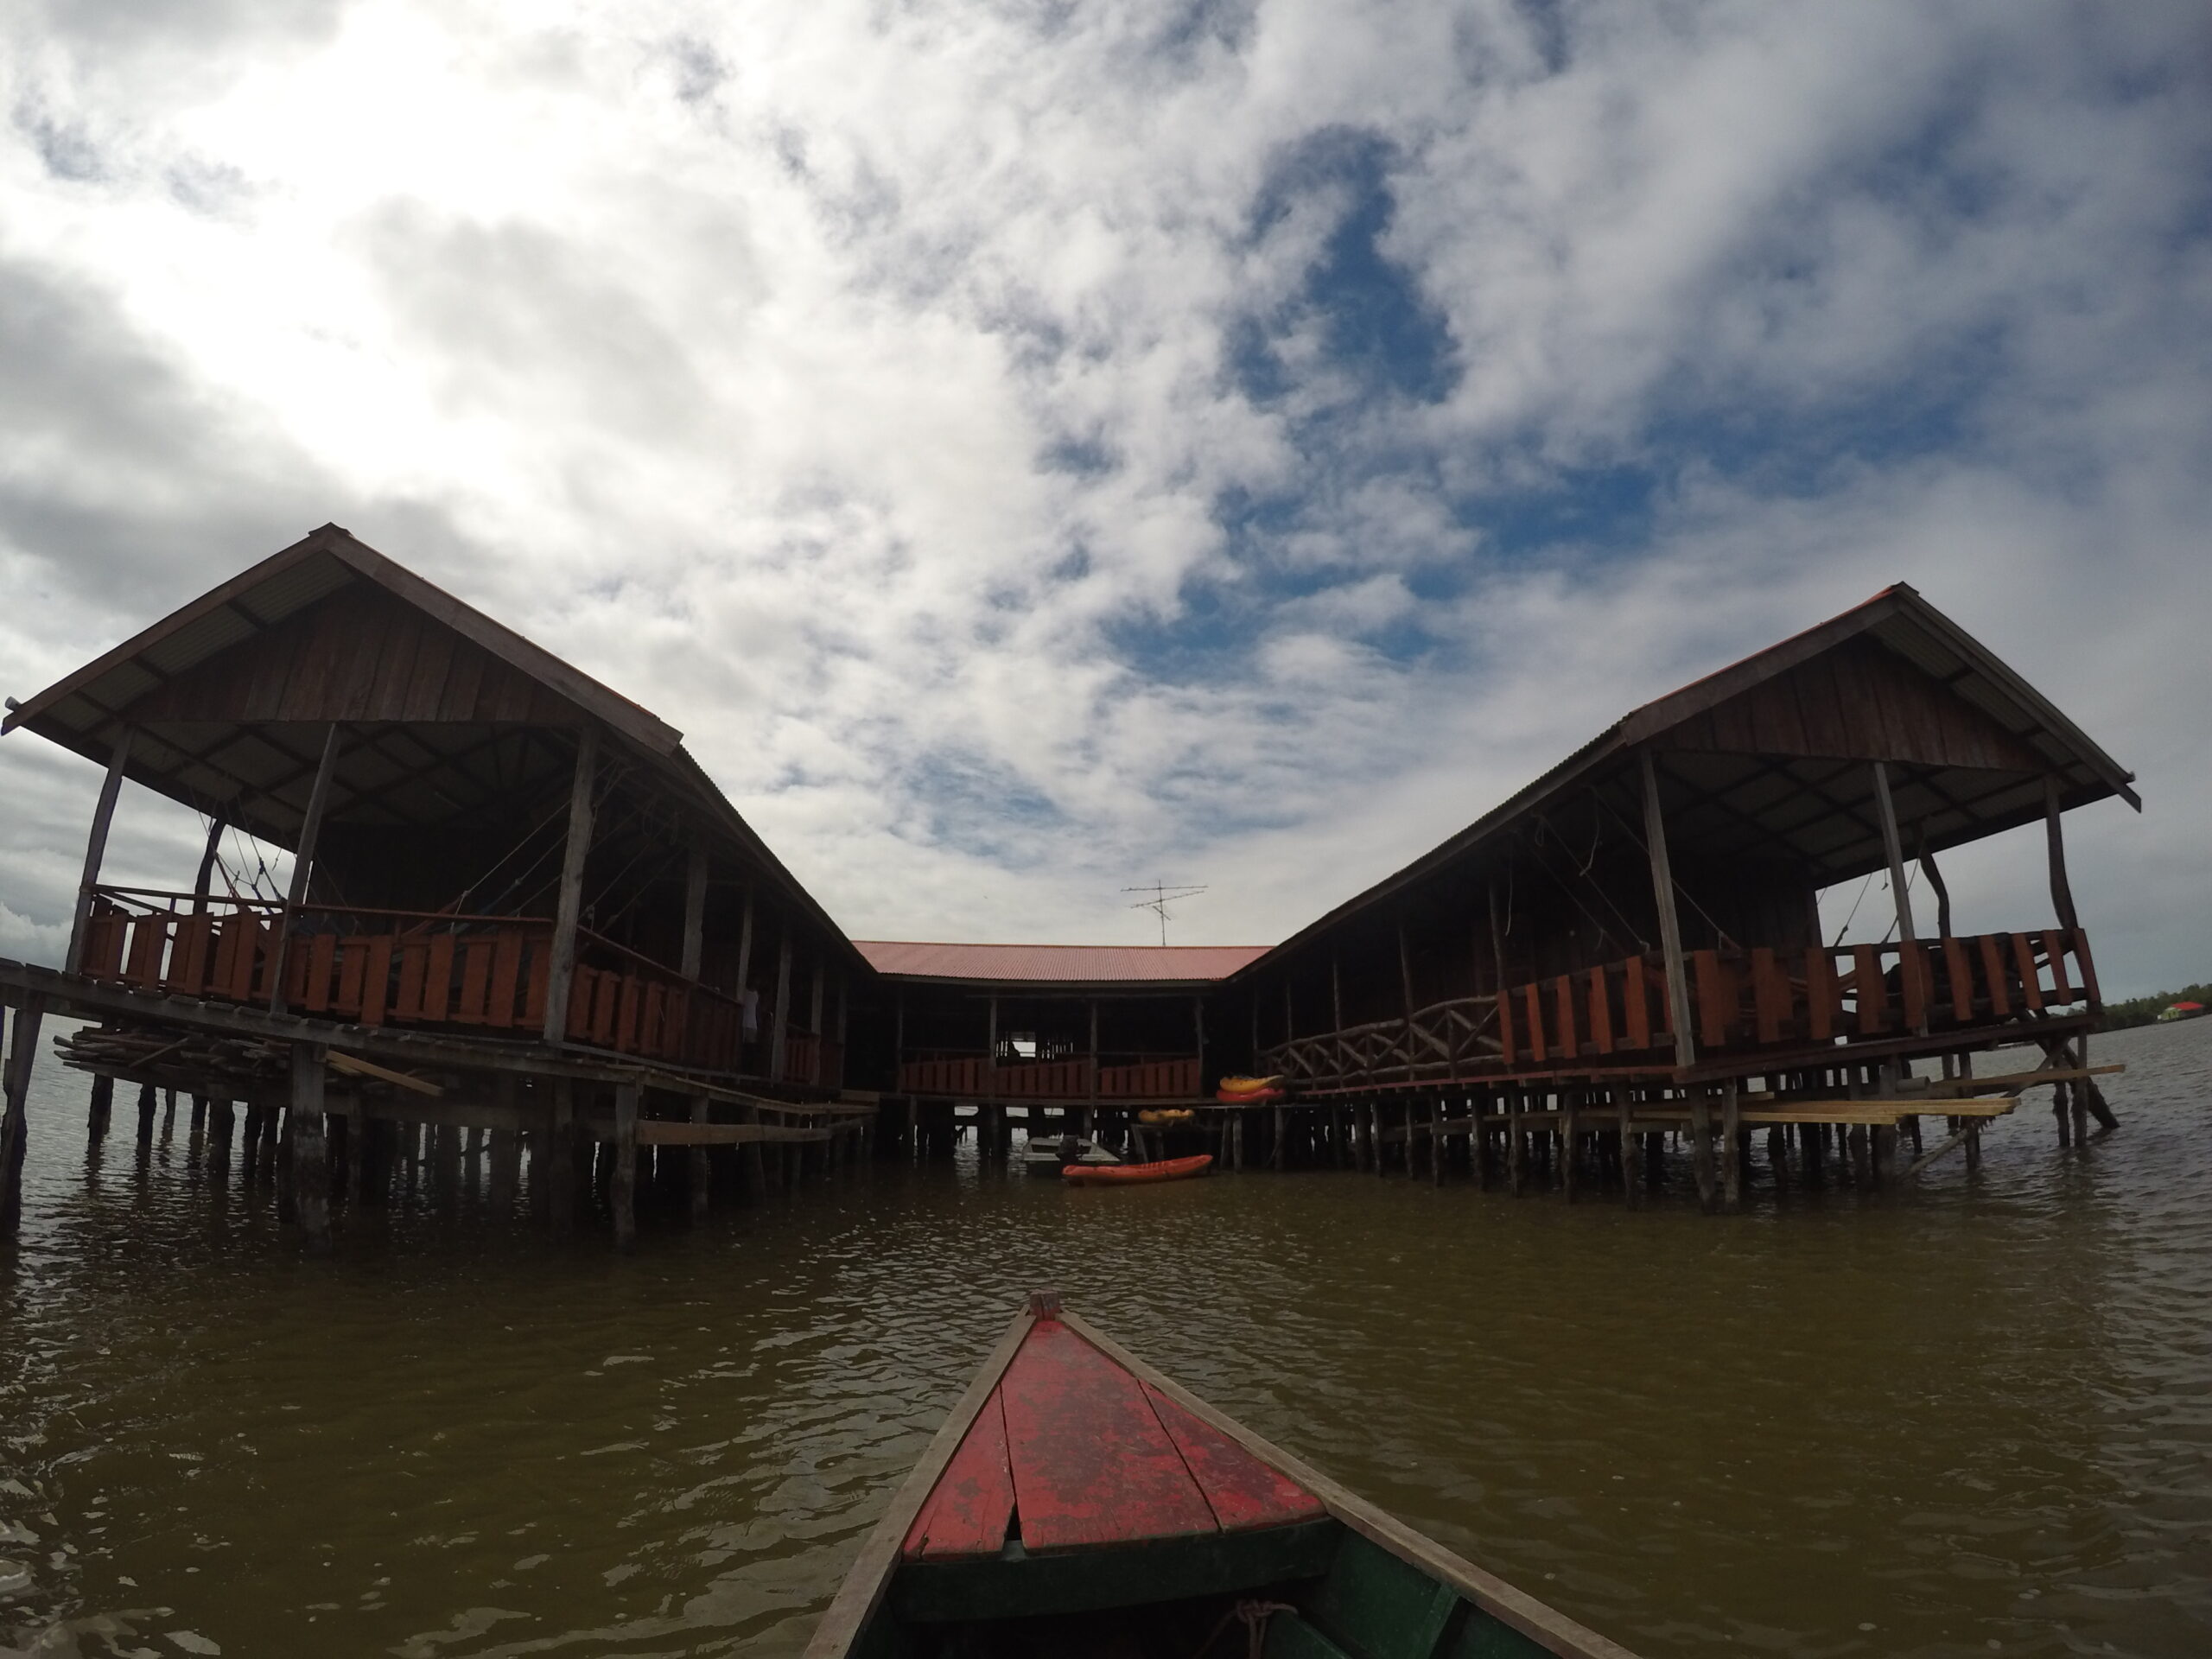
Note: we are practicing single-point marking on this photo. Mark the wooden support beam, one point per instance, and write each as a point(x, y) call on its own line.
point(2062, 891)
point(95, 851)
point(1935, 884)
point(1732, 1130)
point(1893, 846)
point(1671, 923)
point(205, 876)
point(778, 1016)
point(310, 1171)
point(1701, 1145)
point(625, 1165)
point(561, 971)
point(702, 1171)
point(695, 911)
point(14, 1128)
point(302, 864)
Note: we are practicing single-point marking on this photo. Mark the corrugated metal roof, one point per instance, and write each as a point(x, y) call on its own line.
point(1058, 964)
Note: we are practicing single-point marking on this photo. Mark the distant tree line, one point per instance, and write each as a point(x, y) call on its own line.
point(2142, 1010)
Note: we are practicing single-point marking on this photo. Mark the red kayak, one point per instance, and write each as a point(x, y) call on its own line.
point(1171, 1169)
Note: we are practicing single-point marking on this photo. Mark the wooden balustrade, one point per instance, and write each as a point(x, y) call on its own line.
point(1440, 1042)
point(1762, 998)
point(970, 1077)
point(411, 968)
point(810, 1058)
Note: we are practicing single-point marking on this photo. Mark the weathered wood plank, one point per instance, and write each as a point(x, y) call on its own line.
point(1091, 1463)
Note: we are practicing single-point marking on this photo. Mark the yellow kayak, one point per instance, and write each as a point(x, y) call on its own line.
point(1234, 1086)
point(1166, 1118)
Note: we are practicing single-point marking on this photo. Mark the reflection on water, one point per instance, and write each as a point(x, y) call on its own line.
point(1975, 1421)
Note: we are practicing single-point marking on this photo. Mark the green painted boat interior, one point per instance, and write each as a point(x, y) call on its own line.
point(1333, 1593)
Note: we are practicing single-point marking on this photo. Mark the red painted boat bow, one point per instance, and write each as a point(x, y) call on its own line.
point(1072, 1451)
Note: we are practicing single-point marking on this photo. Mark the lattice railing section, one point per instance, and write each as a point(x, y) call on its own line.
point(408, 968)
point(1444, 1040)
point(810, 1058)
point(1757, 999)
point(970, 1077)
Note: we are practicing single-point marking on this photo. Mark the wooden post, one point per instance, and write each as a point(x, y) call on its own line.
point(843, 1008)
point(1517, 1145)
point(991, 1052)
point(694, 912)
point(205, 879)
point(745, 967)
point(1732, 1135)
point(1199, 1025)
point(625, 1165)
point(1631, 1187)
point(1701, 1145)
point(702, 1170)
point(1893, 847)
point(1406, 990)
point(146, 1103)
point(310, 1169)
point(1435, 1142)
point(2061, 892)
point(560, 972)
point(1670, 922)
point(1275, 1152)
point(1943, 898)
point(814, 1023)
point(14, 1128)
point(1496, 944)
point(561, 1158)
point(507, 1150)
point(695, 935)
point(1570, 1131)
point(1094, 1063)
point(777, 1023)
point(95, 850)
point(102, 1107)
point(302, 866)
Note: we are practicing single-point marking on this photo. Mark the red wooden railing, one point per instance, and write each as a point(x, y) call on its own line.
point(809, 1058)
point(970, 1077)
point(409, 968)
point(1763, 997)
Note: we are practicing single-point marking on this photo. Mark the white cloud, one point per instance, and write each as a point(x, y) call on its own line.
point(859, 387)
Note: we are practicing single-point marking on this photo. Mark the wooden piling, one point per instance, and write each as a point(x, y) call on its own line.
point(625, 1192)
point(560, 1159)
point(15, 1124)
point(310, 1173)
point(1731, 1151)
point(1630, 1185)
point(103, 1106)
point(1570, 1132)
point(702, 1173)
point(1701, 1145)
point(146, 1104)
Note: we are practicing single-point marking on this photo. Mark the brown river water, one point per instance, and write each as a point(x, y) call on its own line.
point(1976, 1421)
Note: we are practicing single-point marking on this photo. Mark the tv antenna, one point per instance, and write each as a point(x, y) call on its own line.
point(1162, 896)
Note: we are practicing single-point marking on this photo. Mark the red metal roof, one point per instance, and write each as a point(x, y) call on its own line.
point(1058, 964)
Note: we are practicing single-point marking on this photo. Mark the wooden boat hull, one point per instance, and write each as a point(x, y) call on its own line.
point(1171, 1169)
point(1078, 1503)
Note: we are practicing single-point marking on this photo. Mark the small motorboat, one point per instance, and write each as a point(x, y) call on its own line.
point(1167, 1169)
point(1078, 1503)
point(1050, 1155)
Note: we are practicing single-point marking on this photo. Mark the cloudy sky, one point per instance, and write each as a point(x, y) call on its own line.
point(1031, 449)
